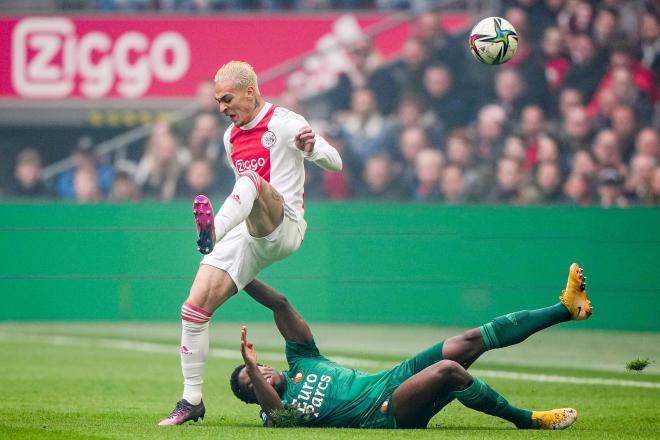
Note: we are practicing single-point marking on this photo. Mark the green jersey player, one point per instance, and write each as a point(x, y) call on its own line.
point(316, 391)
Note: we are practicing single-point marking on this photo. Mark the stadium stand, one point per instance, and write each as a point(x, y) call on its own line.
point(572, 119)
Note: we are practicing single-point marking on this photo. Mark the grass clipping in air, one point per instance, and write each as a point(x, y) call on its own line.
point(638, 364)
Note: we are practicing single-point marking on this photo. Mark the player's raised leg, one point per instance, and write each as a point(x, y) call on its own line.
point(515, 327)
point(423, 395)
point(263, 213)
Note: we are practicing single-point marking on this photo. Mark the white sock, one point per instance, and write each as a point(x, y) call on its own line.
point(194, 350)
point(238, 205)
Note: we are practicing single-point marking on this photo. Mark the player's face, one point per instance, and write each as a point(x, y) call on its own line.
point(238, 104)
point(273, 377)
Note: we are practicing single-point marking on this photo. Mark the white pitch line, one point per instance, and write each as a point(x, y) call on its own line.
point(223, 353)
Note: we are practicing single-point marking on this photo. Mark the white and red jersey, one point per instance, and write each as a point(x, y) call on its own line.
point(265, 145)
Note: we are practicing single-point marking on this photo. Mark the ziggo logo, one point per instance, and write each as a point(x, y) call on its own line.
point(48, 55)
point(249, 164)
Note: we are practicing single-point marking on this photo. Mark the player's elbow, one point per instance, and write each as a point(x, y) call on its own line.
point(338, 165)
point(280, 302)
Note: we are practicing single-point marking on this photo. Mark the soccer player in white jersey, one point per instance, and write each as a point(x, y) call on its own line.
point(259, 223)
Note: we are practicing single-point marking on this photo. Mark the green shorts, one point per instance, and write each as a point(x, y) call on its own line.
point(381, 414)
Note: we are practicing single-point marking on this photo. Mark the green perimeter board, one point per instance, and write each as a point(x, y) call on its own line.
point(389, 263)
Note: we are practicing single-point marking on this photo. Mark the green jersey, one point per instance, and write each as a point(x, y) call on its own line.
point(328, 394)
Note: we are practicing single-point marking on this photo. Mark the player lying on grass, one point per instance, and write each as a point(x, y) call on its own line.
point(319, 392)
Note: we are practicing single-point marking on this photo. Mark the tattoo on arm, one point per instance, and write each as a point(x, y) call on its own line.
point(276, 195)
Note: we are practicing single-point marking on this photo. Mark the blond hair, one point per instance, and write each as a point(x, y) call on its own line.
point(242, 74)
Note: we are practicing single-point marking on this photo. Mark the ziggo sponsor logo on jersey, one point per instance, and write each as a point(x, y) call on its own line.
point(249, 164)
point(48, 55)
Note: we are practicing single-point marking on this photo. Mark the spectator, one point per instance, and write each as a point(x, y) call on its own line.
point(602, 118)
point(576, 131)
point(540, 16)
point(624, 126)
point(607, 151)
point(509, 186)
point(124, 188)
point(339, 185)
point(648, 143)
point(27, 176)
point(639, 185)
point(532, 127)
point(649, 41)
point(83, 155)
point(610, 189)
point(489, 133)
point(452, 186)
point(364, 71)
point(380, 182)
point(205, 138)
point(528, 62)
point(568, 100)
point(439, 45)
point(86, 185)
point(444, 99)
point(364, 127)
point(576, 17)
point(206, 105)
point(161, 166)
point(205, 143)
point(200, 178)
point(548, 184)
point(428, 172)
point(606, 28)
point(587, 65)
point(411, 112)
point(475, 176)
point(413, 141)
point(548, 149)
point(554, 60)
point(576, 190)
point(514, 148)
point(629, 84)
point(407, 73)
point(510, 92)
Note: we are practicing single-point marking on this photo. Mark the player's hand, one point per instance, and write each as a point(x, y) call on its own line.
point(305, 139)
point(247, 350)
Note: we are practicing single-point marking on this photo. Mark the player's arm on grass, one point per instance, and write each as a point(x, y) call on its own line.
point(291, 325)
point(266, 395)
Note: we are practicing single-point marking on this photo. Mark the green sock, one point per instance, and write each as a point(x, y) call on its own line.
point(516, 327)
point(483, 398)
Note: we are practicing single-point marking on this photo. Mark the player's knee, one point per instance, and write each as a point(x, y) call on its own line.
point(446, 367)
point(254, 179)
point(451, 372)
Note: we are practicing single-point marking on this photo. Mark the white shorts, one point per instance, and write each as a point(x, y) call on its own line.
point(243, 256)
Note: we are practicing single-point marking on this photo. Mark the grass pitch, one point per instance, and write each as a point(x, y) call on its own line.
point(116, 381)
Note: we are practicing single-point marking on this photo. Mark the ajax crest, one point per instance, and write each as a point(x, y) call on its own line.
point(268, 139)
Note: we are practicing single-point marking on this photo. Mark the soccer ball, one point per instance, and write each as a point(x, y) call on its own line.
point(493, 41)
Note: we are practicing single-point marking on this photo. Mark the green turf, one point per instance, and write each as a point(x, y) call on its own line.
point(118, 380)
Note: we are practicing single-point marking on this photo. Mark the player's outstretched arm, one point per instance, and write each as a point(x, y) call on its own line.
point(289, 322)
point(266, 395)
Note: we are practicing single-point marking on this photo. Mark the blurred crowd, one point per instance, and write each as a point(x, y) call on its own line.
point(231, 5)
point(572, 119)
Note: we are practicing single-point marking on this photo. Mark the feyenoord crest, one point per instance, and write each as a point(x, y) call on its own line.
point(268, 139)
